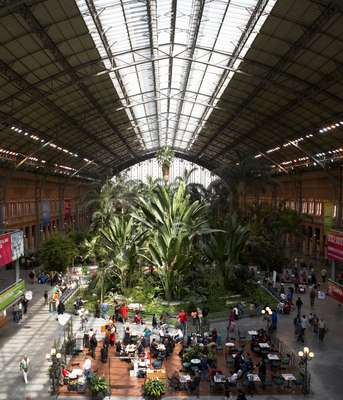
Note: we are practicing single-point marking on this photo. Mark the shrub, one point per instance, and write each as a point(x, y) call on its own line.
point(153, 389)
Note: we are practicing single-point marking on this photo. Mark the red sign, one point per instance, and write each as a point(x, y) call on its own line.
point(335, 290)
point(335, 245)
point(5, 249)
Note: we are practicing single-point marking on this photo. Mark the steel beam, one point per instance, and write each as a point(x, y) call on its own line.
point(48, 43)
point(282, 63)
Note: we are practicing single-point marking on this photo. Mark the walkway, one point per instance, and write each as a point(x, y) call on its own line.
point(33, 336)
point(326, 368)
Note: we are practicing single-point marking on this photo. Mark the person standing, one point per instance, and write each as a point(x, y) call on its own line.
point(324, 274)
point(24, 303)
point(46, 296)
point(303, 324)
point(24, 367)
point(274, 320)
point(321, 329)
point(124, 311)
point(262, 373)
point(183, 321)
point(154, 321)
point(299, 304)
point(312, 296)
point(60, 308)
point(97, 309)
point(93, 343)
point(32, 277)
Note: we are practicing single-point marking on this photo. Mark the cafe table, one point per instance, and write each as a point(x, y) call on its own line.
point(161, 347)
point(75, 373)
point(253, 378)
point(131, 348)
point(273, 357)
point(264, 345)
point(253, 333)
point(184, 378)
point(289, 378)
point(228, 347)
point(219, 378)
point(195, 361)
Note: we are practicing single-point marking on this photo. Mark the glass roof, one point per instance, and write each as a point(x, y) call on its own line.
point(171, 60)
point(179, 168)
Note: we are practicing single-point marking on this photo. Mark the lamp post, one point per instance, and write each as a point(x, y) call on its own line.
point(266, 313)
point(306, 355)
point(55, 368)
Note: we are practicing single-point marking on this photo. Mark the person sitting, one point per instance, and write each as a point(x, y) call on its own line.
point(127, 336)
point(138, 318)
point(194, 384)
point(153, 348)
point(87, 367)
point(65, 372)
point(178, 336)
point(214, 335)
point(140, 347)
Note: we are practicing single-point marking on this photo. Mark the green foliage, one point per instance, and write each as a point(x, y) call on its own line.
point(224, 248)
point(165, 156)
point(58, 253)
point(153, 389)
point(171, 224)
point(98, 384)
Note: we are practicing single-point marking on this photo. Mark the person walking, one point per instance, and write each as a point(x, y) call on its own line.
point(312, 296)
point(303, 324)
point(299, 304)
point(274, 320)
point(24, 367)
point(322, 329)
point(25, 304)
point(46, 296)
point(324, 274)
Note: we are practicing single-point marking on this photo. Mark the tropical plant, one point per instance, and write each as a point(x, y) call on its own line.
point(172, 224)
point(122, 241)
point(165, 158)
point(153, 389)
point(224, 248)
point(58, 252)
point(98, 386)
point(93, 248)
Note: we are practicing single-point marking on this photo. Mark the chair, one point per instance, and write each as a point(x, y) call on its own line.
point(285, 362)
point(278, 381)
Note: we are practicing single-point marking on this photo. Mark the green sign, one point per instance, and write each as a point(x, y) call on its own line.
point(13, 292)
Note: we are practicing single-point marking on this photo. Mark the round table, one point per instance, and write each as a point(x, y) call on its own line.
point(195, 361)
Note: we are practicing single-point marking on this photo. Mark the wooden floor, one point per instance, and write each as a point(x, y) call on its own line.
point(117, 373)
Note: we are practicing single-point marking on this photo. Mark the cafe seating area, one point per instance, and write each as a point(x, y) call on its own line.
point(201, 364)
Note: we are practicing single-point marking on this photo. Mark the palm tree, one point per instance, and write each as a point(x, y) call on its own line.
point(225, 248)
point(122, 241)
point(172, 223)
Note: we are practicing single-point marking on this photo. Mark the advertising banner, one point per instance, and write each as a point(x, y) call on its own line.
point(335, 245)
point(5, 249)
point(17, 244)
point(12, 293)
point(335, 290)
point(45, 212)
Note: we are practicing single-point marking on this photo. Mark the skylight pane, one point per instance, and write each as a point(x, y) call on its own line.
point(151, 56)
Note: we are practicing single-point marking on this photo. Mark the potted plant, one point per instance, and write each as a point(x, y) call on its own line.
point(98, 387)
point(153, 389)
point(165, 157)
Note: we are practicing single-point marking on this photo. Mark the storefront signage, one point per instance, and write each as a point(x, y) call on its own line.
point(12, 293)
point(11, 247)
point(5, 249)
point(335, 290)
point(335, 245)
